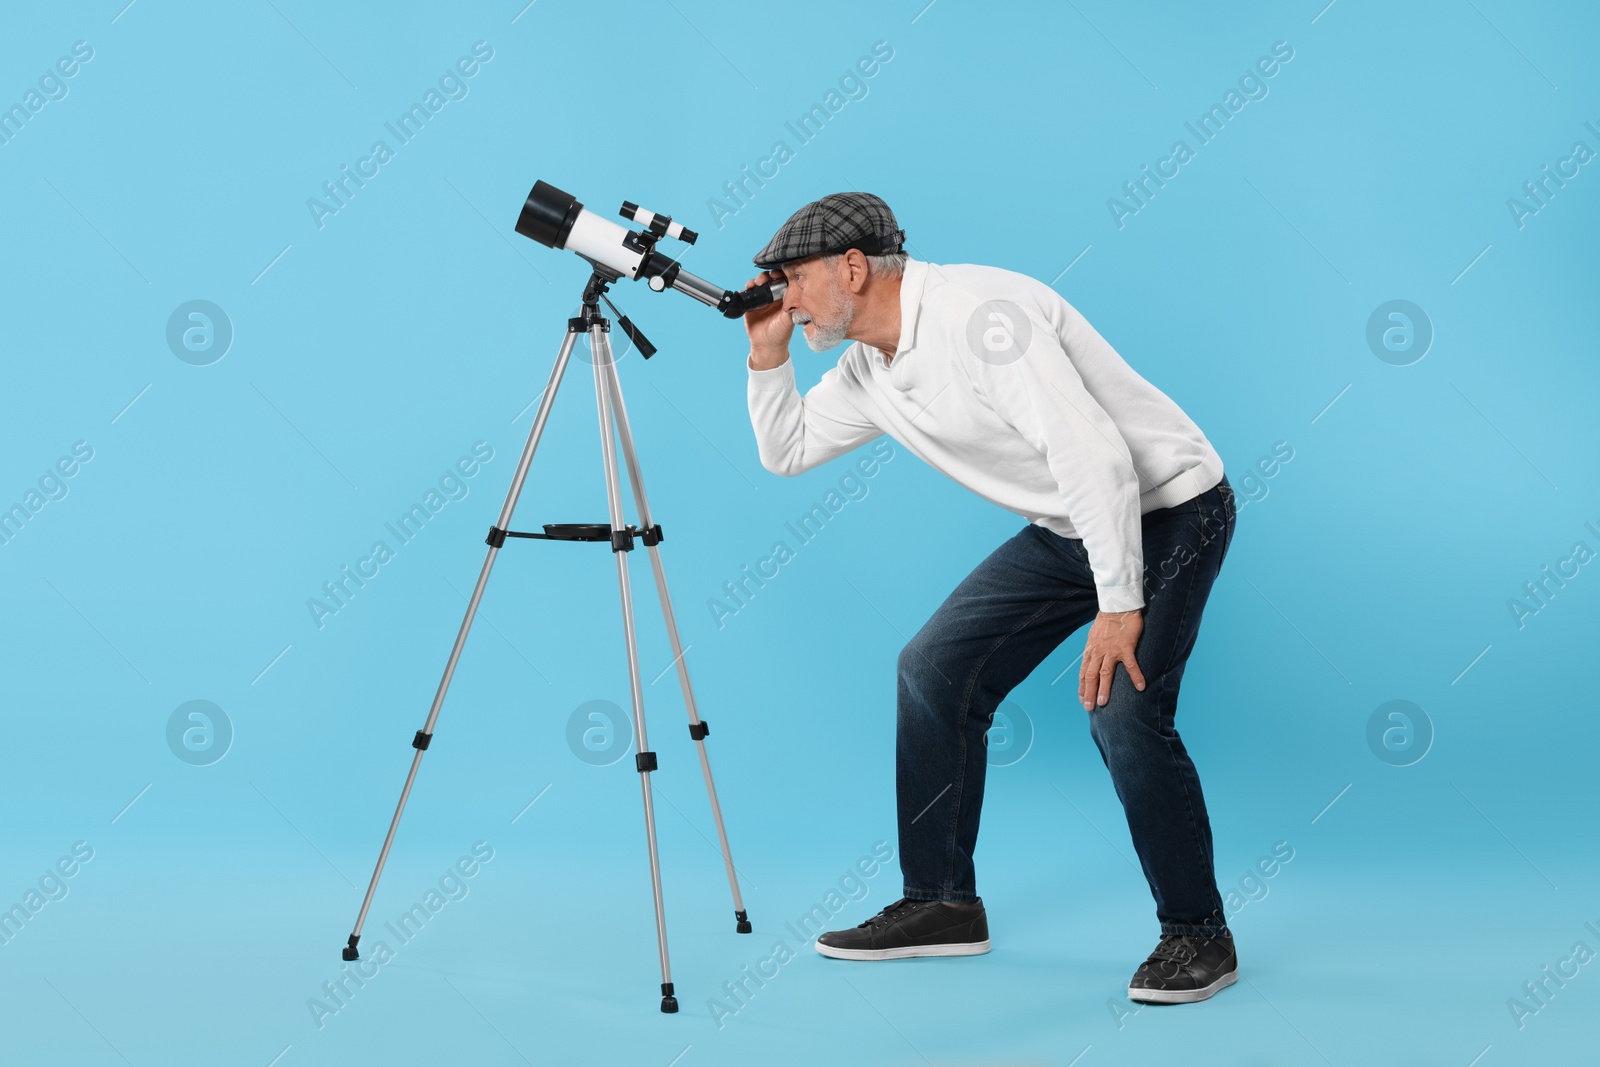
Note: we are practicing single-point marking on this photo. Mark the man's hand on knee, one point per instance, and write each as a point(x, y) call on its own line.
point(1113, 636)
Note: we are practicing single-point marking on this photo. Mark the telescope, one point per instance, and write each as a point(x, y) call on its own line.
point(557, 220)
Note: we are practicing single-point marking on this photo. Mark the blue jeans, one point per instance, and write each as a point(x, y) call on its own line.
point(991, 632)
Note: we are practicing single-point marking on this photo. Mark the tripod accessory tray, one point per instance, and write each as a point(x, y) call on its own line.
point(621, 540)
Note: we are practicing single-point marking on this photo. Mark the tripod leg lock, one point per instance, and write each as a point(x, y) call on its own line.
point(421, 741)
point(669, 1003)
point(697, 730)
point(652, 536)
point(644, 761)
point(350, 952)
point(743, 918)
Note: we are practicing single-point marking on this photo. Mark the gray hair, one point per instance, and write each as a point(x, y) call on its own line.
point(892, 265)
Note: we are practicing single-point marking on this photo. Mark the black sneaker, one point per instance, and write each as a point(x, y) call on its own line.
point(911, 928)
point(1185, 968)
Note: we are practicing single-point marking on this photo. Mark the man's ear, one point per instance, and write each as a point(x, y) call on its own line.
point(855, 262)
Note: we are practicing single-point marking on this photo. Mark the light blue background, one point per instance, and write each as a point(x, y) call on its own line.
point(372, 352)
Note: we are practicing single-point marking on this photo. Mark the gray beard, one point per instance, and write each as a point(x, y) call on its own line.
point(827, 336)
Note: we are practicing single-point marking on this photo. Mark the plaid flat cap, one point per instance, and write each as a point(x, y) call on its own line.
point(837, 222)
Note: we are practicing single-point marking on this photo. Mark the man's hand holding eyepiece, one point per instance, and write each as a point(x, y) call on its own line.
point(769, 327)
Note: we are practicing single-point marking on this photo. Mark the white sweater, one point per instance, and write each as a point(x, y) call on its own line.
point(1002, 385)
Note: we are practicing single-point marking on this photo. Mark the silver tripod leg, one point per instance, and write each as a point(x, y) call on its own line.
point(645, 760)
point(697, 730)
point(425, 735)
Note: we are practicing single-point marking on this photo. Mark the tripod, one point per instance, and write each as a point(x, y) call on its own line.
point(608, 399)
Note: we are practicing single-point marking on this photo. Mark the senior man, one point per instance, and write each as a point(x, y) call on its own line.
point(993, 379)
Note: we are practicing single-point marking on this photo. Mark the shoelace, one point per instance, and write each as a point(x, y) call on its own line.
point(1180, 949)
point(891, 913)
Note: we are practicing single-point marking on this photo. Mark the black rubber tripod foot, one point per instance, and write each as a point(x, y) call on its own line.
point(744, 922)
point(350, 952)
point(669, 1003)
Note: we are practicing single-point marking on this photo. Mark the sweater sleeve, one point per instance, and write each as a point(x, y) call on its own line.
point(795, 433)
point(1042, 395)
